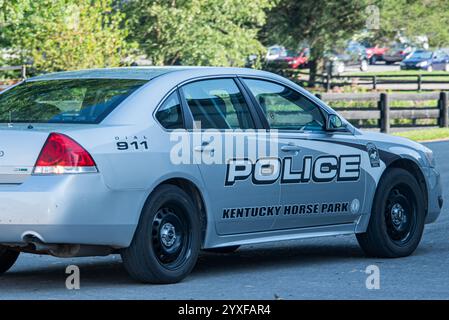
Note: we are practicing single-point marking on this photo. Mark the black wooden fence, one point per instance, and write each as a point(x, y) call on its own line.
point(384, 113)
point(329, 81)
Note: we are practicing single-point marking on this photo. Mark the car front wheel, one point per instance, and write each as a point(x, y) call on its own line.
point(397, 217)
point(7, 259)
point(167, 240)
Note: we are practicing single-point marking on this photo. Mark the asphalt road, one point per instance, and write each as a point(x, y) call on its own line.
point(324, 268)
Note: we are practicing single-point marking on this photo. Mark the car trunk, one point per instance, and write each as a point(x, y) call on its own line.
point(19, 150)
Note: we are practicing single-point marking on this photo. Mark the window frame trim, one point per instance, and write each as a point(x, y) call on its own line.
point(257, 105)
point(258, 124)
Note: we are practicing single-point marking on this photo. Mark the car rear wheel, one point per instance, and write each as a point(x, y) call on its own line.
point(7, 259)
point(397, 218)
point(167, 240)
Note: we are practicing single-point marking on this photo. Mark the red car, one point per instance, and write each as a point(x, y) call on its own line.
point(375, 54)
point(290, 59)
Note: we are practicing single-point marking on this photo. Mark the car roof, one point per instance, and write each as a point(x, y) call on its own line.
point(139, 73)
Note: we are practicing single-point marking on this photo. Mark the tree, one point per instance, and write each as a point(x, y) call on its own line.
point(414, 18)
point(197, 32)
point(321, 24)
point(66, 34)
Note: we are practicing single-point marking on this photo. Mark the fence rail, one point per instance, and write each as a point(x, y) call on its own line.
point(384, 113)
point(329, 81)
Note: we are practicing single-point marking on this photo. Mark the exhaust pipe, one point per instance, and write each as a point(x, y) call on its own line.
point(64, 250)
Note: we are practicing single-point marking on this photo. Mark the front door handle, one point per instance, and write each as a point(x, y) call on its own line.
point(290, 148)
point(204, 148)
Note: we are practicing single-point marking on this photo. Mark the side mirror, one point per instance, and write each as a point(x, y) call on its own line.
point(335, 124)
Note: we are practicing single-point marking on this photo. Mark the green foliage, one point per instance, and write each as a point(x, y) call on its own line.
point(415, 18)
point(197, 32)
point(65, 34)
point(322, 25)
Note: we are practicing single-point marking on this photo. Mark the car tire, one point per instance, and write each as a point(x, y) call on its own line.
point(7, 259)
point(364, 65)
point(167, 241)
point(224, 250)
point(397, 218)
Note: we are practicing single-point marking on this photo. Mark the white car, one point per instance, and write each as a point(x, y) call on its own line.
point(158, 163)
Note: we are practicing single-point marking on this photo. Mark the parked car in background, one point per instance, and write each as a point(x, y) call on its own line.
point(427, 60)
point(397, 53)
point(290, 59)
point(354, 55)
point(274, 52)
point(375, 53)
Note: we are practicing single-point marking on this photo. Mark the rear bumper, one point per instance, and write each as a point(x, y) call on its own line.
point(68, 209)
point(405, 67)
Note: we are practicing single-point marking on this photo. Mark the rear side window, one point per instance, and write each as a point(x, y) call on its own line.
point(218, 104)
point(65, 101)
point(285, 108)
point(169, 114)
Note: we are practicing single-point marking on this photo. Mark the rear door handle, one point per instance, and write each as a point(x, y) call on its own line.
point(290, 148)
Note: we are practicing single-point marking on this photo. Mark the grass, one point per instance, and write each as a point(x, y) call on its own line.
point(425, 134)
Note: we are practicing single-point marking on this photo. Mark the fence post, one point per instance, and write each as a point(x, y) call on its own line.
point(419, 82)
point(443, 104)
point(374, 82)
point(23, 71)
point(328, 82)
point(384, 113)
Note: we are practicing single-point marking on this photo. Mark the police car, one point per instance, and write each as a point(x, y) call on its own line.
point(156, 164)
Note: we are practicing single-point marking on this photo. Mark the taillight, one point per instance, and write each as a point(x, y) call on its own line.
point(61, 155)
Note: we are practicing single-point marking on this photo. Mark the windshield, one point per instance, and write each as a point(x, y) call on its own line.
point(289, 53)
point(421, 55)
point(65, 101)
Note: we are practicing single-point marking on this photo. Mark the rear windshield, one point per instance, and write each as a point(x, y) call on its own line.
point(65, 101)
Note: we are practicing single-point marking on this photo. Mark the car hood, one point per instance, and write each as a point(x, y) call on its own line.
point(386, 139)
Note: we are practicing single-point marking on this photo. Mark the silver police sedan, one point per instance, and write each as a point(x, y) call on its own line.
point(158, 163)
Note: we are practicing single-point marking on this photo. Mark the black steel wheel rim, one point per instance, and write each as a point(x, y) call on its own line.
point(400, 214)
point(170, 236)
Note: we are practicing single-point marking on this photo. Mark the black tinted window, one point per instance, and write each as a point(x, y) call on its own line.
point(218, 104)
point(285, 108)
point(65, 101)
point(170, 113)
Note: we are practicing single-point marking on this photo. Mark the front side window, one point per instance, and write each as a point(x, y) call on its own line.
point(218, 104)
point(65, 101)
point(169, 114)
point(285, 108)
